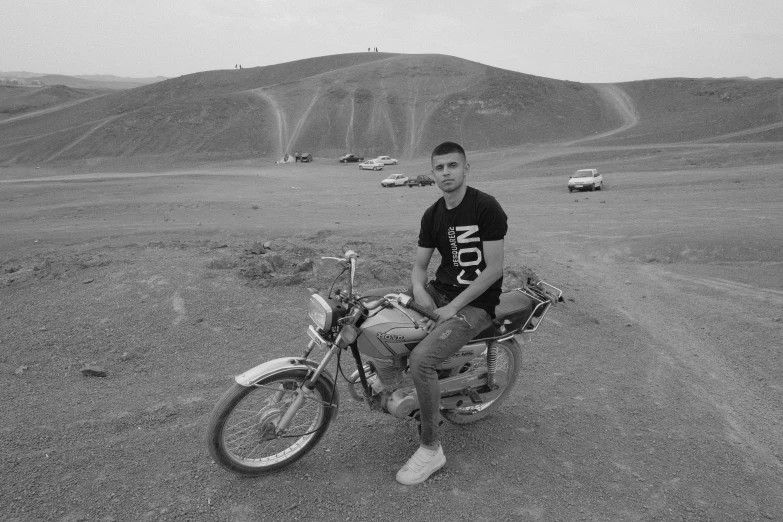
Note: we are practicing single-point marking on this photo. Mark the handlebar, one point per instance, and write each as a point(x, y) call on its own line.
point(403, 300)
point(408, 302)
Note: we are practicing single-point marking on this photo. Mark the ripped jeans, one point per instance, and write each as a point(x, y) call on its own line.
point(442, 342)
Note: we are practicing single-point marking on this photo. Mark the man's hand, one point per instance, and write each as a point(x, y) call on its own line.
point(443, 313)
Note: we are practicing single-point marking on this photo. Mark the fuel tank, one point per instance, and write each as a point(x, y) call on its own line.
point(389, 334)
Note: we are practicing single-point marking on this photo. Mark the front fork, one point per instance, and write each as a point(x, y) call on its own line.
point(306, 389)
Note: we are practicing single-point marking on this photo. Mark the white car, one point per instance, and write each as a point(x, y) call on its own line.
point(586, 179)
point(395, 180)
point(386, 160)
point(371, 165)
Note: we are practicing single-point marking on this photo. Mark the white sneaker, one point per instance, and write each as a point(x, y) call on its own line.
point(421, 465)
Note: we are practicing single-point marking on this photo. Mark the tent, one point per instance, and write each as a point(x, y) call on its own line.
point(287, 159)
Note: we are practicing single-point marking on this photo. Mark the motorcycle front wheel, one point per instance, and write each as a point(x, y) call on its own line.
point(505, 377)
point(241, 433)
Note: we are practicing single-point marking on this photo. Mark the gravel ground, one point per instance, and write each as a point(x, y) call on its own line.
point(652, 393)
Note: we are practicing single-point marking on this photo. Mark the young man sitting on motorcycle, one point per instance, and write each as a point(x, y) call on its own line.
point(467, 228)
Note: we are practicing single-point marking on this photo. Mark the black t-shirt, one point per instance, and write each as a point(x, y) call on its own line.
point(459, 234)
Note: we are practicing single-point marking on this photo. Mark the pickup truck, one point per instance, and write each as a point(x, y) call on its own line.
point(351, 158)
point(420, 181)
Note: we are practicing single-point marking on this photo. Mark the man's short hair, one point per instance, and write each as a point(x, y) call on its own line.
point(448, 147)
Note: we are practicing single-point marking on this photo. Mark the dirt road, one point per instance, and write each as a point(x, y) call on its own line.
point(653, 393)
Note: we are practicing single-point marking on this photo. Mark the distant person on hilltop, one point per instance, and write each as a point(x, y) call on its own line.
point(467, 228)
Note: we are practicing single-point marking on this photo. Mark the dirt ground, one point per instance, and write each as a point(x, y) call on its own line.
point(653, 393)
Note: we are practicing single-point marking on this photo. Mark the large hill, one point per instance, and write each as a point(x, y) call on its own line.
point(378, 103)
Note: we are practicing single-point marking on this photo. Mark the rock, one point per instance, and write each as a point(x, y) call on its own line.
point(93, 371)
point(255, 249)
point(268, 245)
point(304, 266)
point(21, 370)
point(276, 261)
point(126, 356)
point(87, 281)
point(254, 207)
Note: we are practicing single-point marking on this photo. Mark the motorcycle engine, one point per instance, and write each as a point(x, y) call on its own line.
point(401, 404)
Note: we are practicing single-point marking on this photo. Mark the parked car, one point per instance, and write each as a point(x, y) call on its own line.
point(350, 158)
point(420, 181)
point(386, 160)
point(395, 180)
point(306, 157)
point(370, 165)
point(586, 179)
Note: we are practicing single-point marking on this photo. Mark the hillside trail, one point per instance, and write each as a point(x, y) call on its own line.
point(621, 102)
point(50, 109)
point(282, 124)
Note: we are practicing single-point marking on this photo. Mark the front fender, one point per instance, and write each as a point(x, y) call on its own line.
point(275, 366)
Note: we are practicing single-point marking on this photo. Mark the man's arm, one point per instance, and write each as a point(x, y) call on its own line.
point(493, 255)
point(419, 277)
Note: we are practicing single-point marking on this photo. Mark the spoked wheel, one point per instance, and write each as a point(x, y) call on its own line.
point(505, 378)
point(241, 434)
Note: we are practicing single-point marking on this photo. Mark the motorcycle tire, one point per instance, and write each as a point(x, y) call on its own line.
point(241, 435)
point(508, 363)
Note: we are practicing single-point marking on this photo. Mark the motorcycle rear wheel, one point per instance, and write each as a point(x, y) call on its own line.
point(241, 435)
point(505, 377)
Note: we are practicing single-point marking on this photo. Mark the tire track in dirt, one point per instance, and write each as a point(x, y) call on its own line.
point(621, 102)
point(738, 134)
point(668, 315)
point(50, 109)
point(27, 139)
point(80, 139)
point(381, 109)
point(298, 127)
point(754, 130)
point(282, 127)
point(733, 288)
point(349, 127)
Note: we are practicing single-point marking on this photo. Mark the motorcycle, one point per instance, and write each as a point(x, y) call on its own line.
point(279, 410)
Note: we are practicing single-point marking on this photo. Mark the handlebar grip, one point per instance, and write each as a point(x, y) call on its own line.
point(413, 305)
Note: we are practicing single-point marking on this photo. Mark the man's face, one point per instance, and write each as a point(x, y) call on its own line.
point(450, 171)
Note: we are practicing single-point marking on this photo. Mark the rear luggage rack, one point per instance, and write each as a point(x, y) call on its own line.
point(543, 295)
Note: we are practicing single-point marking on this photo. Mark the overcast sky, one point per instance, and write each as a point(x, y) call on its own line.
point(578, 40)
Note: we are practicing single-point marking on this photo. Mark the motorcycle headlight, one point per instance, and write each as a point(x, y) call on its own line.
point(324, 312)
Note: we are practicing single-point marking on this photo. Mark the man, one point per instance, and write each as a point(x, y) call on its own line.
point(467, 228)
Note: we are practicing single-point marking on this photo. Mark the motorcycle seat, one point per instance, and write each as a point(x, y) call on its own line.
point(511, 313)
